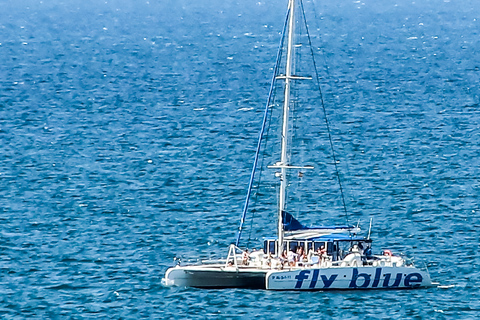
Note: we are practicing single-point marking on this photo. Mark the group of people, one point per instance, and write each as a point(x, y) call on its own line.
point(364, 252)
point(294, 257)
point(298, 256)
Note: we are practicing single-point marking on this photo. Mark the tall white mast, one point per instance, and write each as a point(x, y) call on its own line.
point(283, 160)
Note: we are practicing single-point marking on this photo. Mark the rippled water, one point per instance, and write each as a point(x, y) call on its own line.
point(128, 129)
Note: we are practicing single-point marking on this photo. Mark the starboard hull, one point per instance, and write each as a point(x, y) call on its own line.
point(348, 278)
point(215, 277)
point(306, 279)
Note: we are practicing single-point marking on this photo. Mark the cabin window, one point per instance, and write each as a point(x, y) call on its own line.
point(309, 246)
point(302, 244)
point(269, 247)
point(292, 245)
point(330, 248)
point(318, 245)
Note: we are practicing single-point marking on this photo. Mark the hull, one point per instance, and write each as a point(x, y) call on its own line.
point(348, 278)
point(215, 277)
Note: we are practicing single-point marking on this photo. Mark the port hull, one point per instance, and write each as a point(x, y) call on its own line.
point(216, 277)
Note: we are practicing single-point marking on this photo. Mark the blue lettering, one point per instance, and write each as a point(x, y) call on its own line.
point(376, 280)
point(328, 282)
point(314, 279)
point(300, 277)
point(387, 280)
point(417, 280)
point(356, 275)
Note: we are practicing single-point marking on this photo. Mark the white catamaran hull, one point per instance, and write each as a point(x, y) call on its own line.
point(215, 277)
point(337, 278)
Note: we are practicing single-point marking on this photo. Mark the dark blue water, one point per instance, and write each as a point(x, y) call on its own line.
point(128, 129)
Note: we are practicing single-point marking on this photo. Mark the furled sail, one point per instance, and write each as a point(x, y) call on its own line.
point(290, 223)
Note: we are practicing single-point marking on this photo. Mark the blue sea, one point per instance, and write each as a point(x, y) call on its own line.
point(128, 131)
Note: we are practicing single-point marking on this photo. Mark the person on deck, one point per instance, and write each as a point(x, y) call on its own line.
point(245, 257)
point(292, 258)
point(302, 257)
point(322, 253)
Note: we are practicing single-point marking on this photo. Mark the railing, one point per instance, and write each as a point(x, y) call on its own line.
point(232, 256)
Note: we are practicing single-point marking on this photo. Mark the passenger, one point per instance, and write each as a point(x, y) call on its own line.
point(387, 253)
point(322, 253)
point(299, 252)
point(368, 253)
point(302, 257)
point(360, 248)
point(283, 258)
point(269, 259)
point(292, 258)
point(246, 257)
point(310, 254)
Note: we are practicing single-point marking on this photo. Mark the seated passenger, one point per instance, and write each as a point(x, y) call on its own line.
point(283, 258)
point(269, 259)
point(301, 256)
point(310, 253)
point(321, 252)
point(292, 258)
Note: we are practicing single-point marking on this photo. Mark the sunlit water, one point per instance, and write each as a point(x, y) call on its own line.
point(128, 129)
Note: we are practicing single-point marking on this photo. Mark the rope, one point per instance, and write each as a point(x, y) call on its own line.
point(260, 177)
point(325, 114)
point(260, 137)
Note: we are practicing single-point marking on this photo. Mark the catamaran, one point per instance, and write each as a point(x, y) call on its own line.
point(299, 257)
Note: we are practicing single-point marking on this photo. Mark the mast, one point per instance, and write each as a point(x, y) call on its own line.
point(286, 105)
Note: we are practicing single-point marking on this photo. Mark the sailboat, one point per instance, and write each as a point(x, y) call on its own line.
point(299, 257)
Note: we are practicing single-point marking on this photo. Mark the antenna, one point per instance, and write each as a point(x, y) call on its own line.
point(370, 228)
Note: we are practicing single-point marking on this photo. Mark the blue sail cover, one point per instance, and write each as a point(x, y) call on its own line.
point(290, 223)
